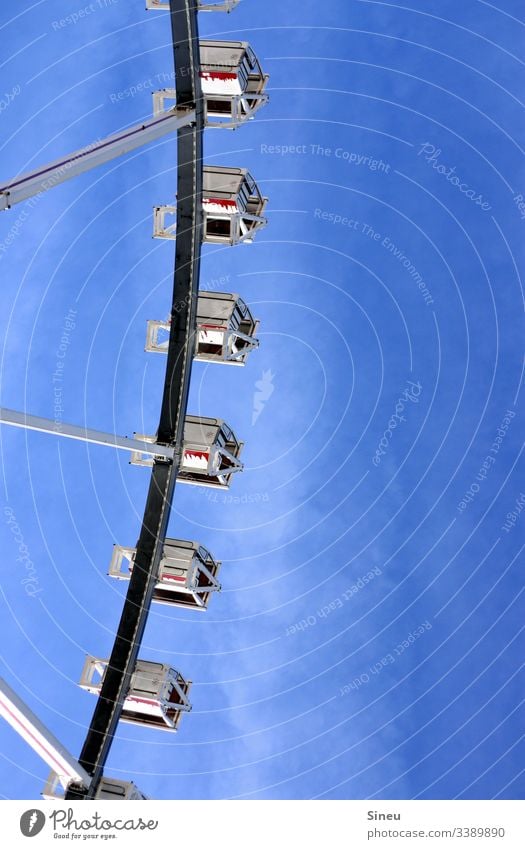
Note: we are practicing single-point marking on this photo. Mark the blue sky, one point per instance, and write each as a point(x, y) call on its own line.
point(404, 180)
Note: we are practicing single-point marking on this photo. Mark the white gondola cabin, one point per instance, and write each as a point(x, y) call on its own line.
point(210, 454)
point(158, 694)
point(108, 788)
point(204, 5)
point(233, 208)
point(187, 573)
point(233, 84)
point(225, 330)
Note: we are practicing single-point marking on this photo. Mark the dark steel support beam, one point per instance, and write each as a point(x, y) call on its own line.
point(123, 658)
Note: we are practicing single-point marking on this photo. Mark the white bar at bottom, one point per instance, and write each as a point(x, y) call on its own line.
point(301, 824)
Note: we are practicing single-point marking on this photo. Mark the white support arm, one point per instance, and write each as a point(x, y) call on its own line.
point(44, 178)
point(85, 434)
point(204, 5)
point(41, 740)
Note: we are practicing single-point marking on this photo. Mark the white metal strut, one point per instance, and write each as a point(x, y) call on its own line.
point(84, 434)
point(22, 719)
point(95, 154)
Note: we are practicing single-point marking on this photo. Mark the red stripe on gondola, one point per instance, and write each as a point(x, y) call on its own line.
point(217, 75)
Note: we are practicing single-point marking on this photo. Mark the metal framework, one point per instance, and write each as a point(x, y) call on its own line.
point(109, 788)
point(186, 448)
point(158, 695)
point(124, 656)
point(233, 84)
point(210, 453)
point(225, 330)
point(187, 574)
point(84, 434)
point(232, 205)
point(42, 179)
point(66, 768)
